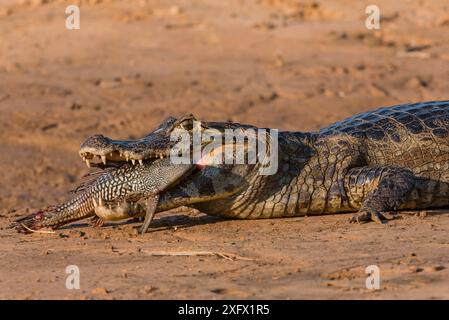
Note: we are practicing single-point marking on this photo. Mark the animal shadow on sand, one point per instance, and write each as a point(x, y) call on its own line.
point(165, 222)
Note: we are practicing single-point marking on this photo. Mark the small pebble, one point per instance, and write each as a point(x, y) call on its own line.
point(434, 268)
point(99, 291)
point(415, 269)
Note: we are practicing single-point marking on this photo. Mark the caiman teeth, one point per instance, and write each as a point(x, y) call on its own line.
point(95, 203)
point(100, 201)
point(117, 156)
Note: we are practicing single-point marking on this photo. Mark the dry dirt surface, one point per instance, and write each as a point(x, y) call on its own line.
point(292, 65)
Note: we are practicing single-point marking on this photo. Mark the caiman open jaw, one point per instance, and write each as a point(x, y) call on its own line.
point(156, 144)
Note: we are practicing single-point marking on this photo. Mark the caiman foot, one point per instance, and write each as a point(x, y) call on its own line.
point(386, 195)
point(364, 216)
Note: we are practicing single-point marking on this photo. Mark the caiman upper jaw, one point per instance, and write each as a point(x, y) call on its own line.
point(154, 145)
point(107, 149)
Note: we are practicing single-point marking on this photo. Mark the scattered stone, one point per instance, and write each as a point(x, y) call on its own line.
point(108, 84)
point(376, 90)
point(328, 93)
point(266, 25)
point(99, 291)
point(279, 60)
point(343, 35)
point(75, 106)
point(181, 25)
point(4, 96)
point(422, 214)
point(4, 12)
point(416, 82)
point(415, 269)
point(38, 2)
point(148, 289)
point(268, 97)
point(434, 268)
point(13, 67)
point(175, 10)
point(49, 126)
point(219, 290)
point(413, 54)
point(412, 48)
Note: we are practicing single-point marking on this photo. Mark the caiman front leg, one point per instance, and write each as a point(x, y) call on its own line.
point(377, 191)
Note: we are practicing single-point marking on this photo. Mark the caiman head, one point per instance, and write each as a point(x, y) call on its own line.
point(227, 157)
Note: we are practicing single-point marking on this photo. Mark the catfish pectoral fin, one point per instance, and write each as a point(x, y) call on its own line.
point(149, 215)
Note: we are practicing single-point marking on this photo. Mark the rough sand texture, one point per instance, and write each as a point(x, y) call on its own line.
point(269, 63)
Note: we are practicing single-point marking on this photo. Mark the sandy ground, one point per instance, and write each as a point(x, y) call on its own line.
point(291, 65)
